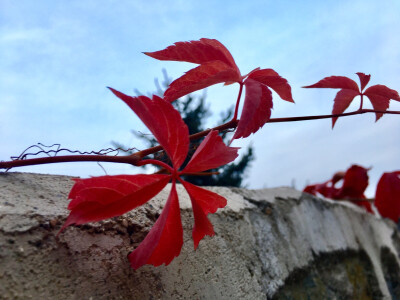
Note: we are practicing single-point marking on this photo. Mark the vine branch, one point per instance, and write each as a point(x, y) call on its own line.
point(135, 158)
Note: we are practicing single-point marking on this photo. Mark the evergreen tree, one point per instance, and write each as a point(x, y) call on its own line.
point(194, 112)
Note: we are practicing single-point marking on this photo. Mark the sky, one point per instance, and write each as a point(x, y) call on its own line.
point(58, 57)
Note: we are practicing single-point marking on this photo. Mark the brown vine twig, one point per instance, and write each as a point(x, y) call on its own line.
point(136, 157)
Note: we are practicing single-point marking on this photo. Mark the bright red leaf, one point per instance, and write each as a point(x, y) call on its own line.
point(198, 52)
point(216, 66)
point(379, 95)
point(165, 239)
point(387, 196)
point(203, 203)
point(98, 198)
point(103, 197)
point(273, 80)
point(211, 154)
point(256, 109)
point(164, 123)
point(205, 75)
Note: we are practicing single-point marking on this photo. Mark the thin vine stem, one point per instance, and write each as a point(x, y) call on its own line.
point(136, 158)
point(238, 101)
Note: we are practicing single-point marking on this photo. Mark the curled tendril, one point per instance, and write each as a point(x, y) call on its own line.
point(58, 149)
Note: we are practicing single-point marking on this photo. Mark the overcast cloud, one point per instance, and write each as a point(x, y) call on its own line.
point(57, 57)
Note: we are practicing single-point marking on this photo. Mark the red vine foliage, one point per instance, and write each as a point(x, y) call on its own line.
point(103, 197)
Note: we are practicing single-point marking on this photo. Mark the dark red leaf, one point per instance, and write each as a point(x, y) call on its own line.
point(387, 196)
point(342, 101)
point(205, 75)
point(364, 79)
point(383, 91)
point(164, 121)
point(165, 239)
point(355, 182)
point(256, 109)
point(198, 52)
point(380, 96)
point(104, 197)
point(335, 82)
point(211, 154)
point(203, 203)
point(272, 79)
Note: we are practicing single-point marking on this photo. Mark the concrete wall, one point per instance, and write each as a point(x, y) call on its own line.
point(269, 244)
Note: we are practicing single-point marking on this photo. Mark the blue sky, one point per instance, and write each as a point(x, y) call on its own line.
point(57, 57)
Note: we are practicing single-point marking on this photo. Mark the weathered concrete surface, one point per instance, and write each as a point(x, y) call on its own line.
point(269, 244)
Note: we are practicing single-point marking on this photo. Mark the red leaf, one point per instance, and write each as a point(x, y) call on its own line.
point(364, 79)
point(164, 121)
point(272, 79)
point(256, 109)
point(205, 75)
point(198, 52)
point(387, 196)
point(335, 82)
point(203, 203)
point(380, 96)
point(104, 197)
point(216, 66)
point(383, 91)
point(211, 154)
point(165, 239)
point(342, 101)
point(355, 182)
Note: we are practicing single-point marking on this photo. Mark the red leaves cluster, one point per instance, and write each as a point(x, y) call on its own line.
point(98, 198)
point(355, 181)
point(379, 95)
point(216, 65)
point(95, 199)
